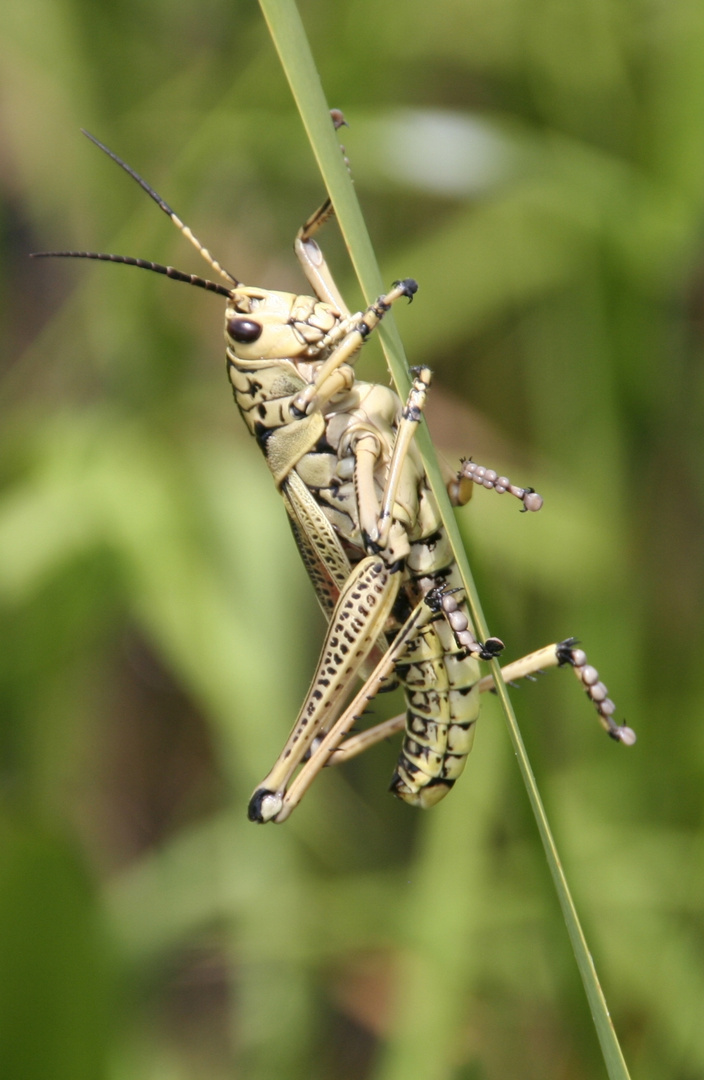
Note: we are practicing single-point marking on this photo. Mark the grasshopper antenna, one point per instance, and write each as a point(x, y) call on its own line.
point(177, 275)
point(143, 264)
point(180, 225)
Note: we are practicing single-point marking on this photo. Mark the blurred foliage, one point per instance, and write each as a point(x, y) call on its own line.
point(539, 167)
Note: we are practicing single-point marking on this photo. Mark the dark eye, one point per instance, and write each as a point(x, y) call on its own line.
point(245, 331)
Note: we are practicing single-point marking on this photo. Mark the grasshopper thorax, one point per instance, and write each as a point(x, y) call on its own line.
point(264, 325)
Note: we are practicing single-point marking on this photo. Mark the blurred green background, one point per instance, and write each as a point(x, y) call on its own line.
point(538, 166)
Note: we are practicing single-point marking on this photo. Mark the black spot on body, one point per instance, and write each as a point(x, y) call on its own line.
point(262, 434)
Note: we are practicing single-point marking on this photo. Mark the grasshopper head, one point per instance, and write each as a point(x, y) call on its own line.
point(263, 325)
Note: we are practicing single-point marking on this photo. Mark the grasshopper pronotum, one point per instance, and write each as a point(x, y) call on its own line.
point(367, 527)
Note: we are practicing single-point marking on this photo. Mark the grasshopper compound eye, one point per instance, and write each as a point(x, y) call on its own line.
point(244, 331)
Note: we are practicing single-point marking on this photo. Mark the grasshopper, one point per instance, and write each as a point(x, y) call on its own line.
point(343, 457)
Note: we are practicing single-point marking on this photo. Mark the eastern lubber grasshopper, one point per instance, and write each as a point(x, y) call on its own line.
point(367, 527)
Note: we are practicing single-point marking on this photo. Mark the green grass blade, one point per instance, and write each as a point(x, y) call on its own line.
point(294, 52)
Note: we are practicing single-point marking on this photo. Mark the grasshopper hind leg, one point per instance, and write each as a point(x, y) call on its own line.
point(357, 621)
point(264, 805)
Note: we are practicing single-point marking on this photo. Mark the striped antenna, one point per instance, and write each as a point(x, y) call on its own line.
point(143, 264)
point(168, 211)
